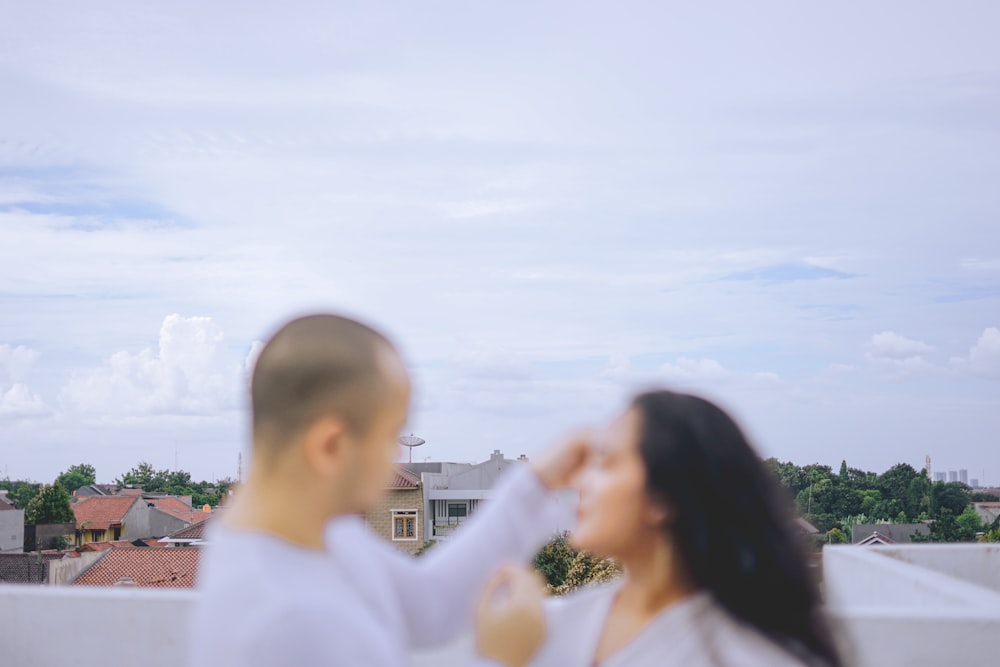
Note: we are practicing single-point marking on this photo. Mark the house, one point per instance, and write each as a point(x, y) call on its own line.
point(452, 492)
point(94, 490)
point(873, 534)
point(11, 526)
point(987, 511)
point(154, 567)
point(131, 517)
point(192, 536)
point(398, 514)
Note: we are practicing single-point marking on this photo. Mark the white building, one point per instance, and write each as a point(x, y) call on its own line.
point(454, 491)
point(11, 526)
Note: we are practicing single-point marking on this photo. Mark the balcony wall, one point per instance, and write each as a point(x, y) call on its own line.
point(914, 605)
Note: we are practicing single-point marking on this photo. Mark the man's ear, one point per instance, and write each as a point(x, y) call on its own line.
point(325, 445)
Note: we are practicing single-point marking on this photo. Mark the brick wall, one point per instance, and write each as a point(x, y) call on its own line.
point(380, 518)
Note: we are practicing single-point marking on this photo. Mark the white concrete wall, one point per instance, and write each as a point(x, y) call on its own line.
point(911, 606)
point(11, 531)
point(915, 605)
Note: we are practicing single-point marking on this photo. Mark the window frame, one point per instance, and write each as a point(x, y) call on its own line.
point(404, 514)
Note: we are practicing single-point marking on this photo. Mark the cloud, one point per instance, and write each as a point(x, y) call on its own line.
point(15, 361)
point(19, 402)
point(789, 272)
point(892, 347)
point(984, 356)
point(190, 373)
point(684, 371)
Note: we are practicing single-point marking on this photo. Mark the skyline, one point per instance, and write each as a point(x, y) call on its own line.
point(786, 209)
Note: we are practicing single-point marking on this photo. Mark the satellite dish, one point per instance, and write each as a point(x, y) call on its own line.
point(410, 441)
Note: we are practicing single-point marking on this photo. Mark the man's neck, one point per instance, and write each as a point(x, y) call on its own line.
point(280, 507)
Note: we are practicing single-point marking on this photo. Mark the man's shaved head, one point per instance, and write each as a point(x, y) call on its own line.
point(314, 366)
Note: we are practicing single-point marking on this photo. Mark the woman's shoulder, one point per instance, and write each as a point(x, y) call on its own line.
point(739, 644)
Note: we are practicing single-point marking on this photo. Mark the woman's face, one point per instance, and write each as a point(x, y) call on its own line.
point(615, 511)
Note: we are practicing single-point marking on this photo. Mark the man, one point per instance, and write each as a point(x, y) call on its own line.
point(294, 577)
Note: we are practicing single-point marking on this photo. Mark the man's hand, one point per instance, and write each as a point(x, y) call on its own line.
point(557, 467)
point(510, 618)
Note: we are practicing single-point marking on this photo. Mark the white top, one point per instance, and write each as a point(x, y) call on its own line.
point(267, 603)
point(694, 632)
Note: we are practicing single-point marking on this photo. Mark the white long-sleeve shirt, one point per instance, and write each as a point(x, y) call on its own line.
point(693, 632)
point(268, 603)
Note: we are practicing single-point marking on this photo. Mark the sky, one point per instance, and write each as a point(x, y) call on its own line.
point(791, 208)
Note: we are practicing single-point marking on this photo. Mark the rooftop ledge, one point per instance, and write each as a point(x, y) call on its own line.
point(908, 605)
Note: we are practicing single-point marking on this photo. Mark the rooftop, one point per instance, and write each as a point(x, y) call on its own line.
point(153, 567)
point(101, 512)
point(404, 479)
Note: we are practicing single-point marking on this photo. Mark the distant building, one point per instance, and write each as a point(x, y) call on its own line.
point(143, 568)
point(974, 483)
point(963, 476)
point(398, 514)
point(11, 526)
point(940, 477)
point(452, 492)
point(133, 516)
point(869, 534)
point(987, 511)
point(952, 476)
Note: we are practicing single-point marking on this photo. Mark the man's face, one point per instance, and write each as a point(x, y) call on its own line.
point(377, 450)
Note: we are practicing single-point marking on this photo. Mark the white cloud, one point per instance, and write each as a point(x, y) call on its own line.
point(190, 372)
point(15, 361)
point(19, 402)
point(984, 356)
point(889, 345)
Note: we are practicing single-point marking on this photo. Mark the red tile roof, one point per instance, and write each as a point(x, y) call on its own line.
point(174, 506)
point(404, 479)
point(4, 505)
point(195, 532)
point(154, 567)
point(101, 512)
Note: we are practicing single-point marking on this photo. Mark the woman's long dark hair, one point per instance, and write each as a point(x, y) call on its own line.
point(732, 526)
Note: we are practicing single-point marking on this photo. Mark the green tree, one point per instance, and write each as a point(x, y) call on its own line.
point(76, 476)
point(20, 492)
point(51, 505)
point(970, 523)
point(953, 496)
point(142, 475)
point(894, 484)
point(555, 559)
point(585, 569)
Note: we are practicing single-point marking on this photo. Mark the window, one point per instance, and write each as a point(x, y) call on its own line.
point(457, 510)
point(404, 524)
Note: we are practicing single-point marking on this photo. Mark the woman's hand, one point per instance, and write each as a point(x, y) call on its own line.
point(558, 466)
point(510, 618)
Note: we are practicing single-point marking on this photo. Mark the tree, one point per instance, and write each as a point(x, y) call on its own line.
point(953, 496)
point(20, 492)
point(894, 484)
point(76, 476)
point(142, 475)
point(970, 523)
point(51, 505)
point(555, 559)
point(586, 568)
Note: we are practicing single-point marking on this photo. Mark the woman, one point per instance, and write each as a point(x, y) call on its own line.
point(713, 574)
